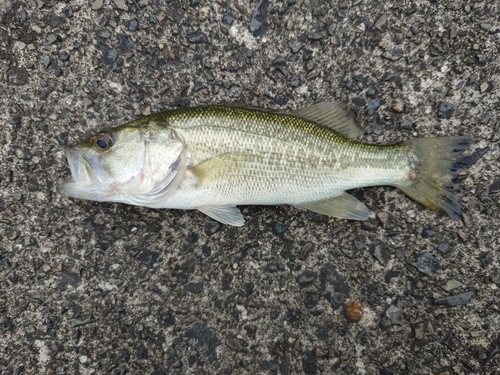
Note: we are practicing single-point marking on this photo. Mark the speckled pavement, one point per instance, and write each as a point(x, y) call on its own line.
point(89, 288)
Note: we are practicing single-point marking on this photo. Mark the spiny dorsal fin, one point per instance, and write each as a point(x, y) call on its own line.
point(333, 115)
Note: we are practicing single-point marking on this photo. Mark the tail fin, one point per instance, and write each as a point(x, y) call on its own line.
point(436, 160)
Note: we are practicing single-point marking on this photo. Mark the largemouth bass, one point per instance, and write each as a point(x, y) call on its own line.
point(216, 157)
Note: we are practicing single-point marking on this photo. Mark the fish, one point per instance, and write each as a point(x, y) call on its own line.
point(214, 158)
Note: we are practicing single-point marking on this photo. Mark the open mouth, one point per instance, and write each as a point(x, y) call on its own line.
point(81, 172)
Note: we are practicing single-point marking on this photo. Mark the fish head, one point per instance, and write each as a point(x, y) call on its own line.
point(123, 163)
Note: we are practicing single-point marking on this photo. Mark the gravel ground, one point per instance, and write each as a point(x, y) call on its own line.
point(89, 288)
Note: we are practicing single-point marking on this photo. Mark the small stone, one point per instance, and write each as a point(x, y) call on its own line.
point(49, 40)
point(97, 4)
point(428, 233)
point(310, 65)
point(148, 257)
point(195, 288)
point(449, 342)
point(426, 263)
point(132, 24)
point(485, 120)
point(80, 320)
point(380, 24)
point(398, 105)
point(46, 60)
point(485, 26)
point(295, 81)
point(120, 4)
point(484, 86)
point(259, 23)
point(456, 300)
point(204, 339)
point(353, 312)
point(306, 277)
point(393, 315)
point(228, 19)
point(451, 284)
point(197, 37)
point(406, 124)
point(445, 110)
point(278, 228)
point(63, 56)
point(443, 248)
point(379, 251)
point(393, 54)
point(295, 46)
point(495, 186)
point(418, 329)
point(374, 106)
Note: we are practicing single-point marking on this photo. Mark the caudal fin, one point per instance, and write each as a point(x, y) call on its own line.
point(437, 159)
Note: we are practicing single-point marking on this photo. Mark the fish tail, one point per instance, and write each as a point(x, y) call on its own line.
point(436, 160)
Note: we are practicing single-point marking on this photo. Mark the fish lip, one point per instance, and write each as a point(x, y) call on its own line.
point(77, 164)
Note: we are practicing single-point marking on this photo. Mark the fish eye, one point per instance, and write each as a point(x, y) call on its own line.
point(103, 141)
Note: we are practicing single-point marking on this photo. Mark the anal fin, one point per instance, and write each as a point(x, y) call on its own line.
point(343, 206)
point(229, 215)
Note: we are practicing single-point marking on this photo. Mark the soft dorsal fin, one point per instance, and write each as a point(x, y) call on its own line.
point(333, 115)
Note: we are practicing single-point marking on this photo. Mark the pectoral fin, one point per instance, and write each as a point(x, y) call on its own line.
point(343, 206)
point(229, 215)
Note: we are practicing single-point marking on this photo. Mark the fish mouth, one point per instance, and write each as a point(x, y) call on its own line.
point(81, 173)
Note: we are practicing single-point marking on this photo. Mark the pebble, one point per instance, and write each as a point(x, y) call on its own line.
point(132, 24)
point(353, 312)
point(228, 19)
point(120, 4)
point(428, 233)
point(495, 186)
point(204, 339)
point(195, 288)
point(451, 284)
point(379, 251)
point(296, 46)
point(393, 54)
point(63, 56)
point(398, 105)
point(380, 23)
point(306, 277)
point(197, 37)
point(295, 81)
point(97, 4)
point(374, 106)
point(445, 110)
point(46, 60)
point(259, 23)
point(49, 40)
point(427, 263)
point(418, 329)
point(455, 300)
point(406, 123)
point(484, 86)
point(393, 315)
point(81, 320)
point(443, 248)
point(485, 120)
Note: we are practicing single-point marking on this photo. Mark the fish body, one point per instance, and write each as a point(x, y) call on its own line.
point(213, 158)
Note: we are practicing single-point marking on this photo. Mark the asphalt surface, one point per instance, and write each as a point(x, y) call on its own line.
point(89, 288)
